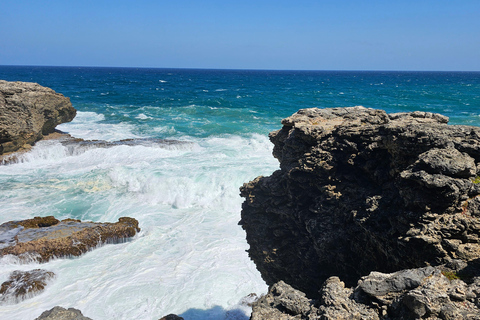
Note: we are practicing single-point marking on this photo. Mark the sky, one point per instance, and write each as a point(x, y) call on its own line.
point(430, 35)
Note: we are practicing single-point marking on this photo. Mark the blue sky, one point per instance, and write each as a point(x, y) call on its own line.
point(261, 34)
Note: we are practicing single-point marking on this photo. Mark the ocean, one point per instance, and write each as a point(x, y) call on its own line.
point(190, 257)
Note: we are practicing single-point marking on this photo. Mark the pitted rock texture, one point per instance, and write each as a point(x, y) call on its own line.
point(24, 284)
point(59, 313)
point(422, 293)
point(45, 238)
point(360, 190)
point(28, 111)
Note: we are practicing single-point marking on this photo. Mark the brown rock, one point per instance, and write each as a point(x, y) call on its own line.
point(24, 284)
point(45, 238)
point(28, 111)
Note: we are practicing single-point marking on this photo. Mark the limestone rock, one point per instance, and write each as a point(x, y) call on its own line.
point(44, 238)
point(24, 284)
point(359, 190)
point(422, 293)
point(59, 313)
point(28, 111)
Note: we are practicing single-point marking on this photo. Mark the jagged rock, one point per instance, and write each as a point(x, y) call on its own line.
point(28, 111)
point(24, 284)
point(359, 190)
point(44, 238)
point(59, 313)
point(423, 293)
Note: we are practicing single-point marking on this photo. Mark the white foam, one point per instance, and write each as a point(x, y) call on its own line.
point(89, 125)
point(190, 257)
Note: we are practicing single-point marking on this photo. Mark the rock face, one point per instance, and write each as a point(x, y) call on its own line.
point(44, 238)
point(27, 112)
point(24, 284)
point(359, 190)
point(59, 313)
point(423, 293)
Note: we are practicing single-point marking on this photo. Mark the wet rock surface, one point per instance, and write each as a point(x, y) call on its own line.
point(359, 190)
point(59, 313)
point(28, 111)
point(45, 238)
point(22, 285)
point(422, 293)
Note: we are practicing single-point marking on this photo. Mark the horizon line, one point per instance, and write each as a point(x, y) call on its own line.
point(238, 69)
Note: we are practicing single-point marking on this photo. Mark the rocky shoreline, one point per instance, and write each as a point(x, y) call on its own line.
point(28, 112)
point(360, 196)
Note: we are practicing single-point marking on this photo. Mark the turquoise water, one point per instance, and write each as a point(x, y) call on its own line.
point(190, 257)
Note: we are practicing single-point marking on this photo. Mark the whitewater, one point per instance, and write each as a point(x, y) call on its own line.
point(190, 257)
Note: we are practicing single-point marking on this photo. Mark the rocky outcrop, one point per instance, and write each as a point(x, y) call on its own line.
point(28, 111)
point(59, 313)
point(360, 190)
point(423, 293)
point(44, 238)
point(24, 284)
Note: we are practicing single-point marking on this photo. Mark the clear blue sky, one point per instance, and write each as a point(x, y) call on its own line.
point(260, 34)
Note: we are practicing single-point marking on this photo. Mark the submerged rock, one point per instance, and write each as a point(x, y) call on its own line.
point(24, 284)
point(359, 190)
point(423, 293)
point(28, 111)
point(59, 313)
point(45, 238)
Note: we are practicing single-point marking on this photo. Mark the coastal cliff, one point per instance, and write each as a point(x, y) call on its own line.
point(28, 111)
point(360, 190)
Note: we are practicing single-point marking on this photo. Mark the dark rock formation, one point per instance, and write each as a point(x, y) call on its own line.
point(44, 238)
point(24, 284)
point(59, 313)
point(423, 293)
point(171, 317)
point(359, 191)
point(29, 111)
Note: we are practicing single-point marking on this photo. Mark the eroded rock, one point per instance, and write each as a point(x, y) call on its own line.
point(28, 111)
point(59, 313)
point(45, 238)
point(423, 293)
point(22, 285)
point(359, 190)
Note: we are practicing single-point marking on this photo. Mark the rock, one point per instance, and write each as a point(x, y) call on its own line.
point(45, 238)
point(171, 317)
point(29, 111)
point(423, 293)
point(285, 303)
point(59, 313)
point(359, 190)
point(24, 284)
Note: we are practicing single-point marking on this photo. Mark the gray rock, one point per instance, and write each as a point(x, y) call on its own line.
point(59, 313)
point(423, 293)
point(29, 111)
point(359, 190)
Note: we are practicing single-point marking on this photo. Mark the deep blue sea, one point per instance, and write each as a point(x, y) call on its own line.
point(189, 258)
